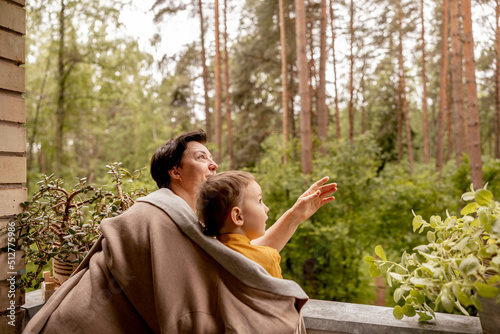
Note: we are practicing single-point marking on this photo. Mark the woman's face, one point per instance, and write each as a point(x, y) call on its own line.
point(196, 166)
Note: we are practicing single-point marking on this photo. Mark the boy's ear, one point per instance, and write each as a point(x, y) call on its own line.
point(174, 173)
point(236, 216)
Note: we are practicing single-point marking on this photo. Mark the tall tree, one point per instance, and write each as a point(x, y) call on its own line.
point(474, 134)
point(284, 79)
point(449, 120)
point(313, 73)
point(403, 90)
point(228, 104)
point(171, 7)
point(218, 88)
point(400, 109)
point(424, 87)
point(351, 73)
point(363, 101)
point(456, 81)
point(322, 108)
point(61, 87)
point(208, 125)
point(304, 93)
point(34, 126)
point(443, 98)
point(337, 112)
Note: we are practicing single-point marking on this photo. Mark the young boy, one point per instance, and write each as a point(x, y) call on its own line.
point(231, 208)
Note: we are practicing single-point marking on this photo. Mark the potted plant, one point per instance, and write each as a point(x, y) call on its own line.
point(456, 268)
point(61, 224)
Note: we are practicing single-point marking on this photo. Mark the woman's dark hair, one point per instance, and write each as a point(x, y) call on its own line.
point(169, 155)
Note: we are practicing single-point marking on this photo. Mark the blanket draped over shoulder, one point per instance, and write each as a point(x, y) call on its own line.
point(154, 271)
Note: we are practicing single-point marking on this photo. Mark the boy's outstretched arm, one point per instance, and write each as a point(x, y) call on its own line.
point(307, 204)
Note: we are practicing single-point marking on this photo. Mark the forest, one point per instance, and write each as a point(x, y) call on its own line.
point(397, 101)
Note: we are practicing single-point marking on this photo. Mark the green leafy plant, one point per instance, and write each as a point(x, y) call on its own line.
point(64, 223)
point(459, 263)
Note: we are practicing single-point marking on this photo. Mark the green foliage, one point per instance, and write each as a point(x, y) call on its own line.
point(370, 209)
point(460, 262)
point(63, 223)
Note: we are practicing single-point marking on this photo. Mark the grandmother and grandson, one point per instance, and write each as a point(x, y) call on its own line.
point(160, 268)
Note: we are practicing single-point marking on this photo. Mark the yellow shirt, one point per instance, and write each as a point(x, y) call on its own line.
point(267, 257)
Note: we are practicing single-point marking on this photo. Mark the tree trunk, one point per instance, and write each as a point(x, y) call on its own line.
point(291, 114)
point(403, 90)
point(218, 88)
point(449, 121)
point(363, 109)
point(313, 80)
point(284, 80)
point(322, 109)
point(228, 104)
point(497, 105)
point(400, 113)
point(443, 99)
point(456, 82)
point(208, 125)
point(424, 87)
point(302, 69)
point(35, 121)
point(337, 112)
point(474, 133)
point(351, 75)
point(61, 88)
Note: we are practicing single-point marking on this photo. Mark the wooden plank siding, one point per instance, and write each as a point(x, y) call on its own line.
point(12, 154)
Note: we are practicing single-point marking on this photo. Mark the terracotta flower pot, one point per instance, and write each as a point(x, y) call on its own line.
point(62, 269)
point(490, 315)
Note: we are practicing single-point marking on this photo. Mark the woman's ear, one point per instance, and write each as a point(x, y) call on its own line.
point(174, 173)
point(236, 216)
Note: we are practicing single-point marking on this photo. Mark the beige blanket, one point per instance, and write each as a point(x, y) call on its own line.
point(153, 271)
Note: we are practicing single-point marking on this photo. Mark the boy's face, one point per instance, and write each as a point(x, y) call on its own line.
point(253, 211)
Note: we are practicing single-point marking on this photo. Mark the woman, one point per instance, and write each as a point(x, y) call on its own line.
point(153, 270)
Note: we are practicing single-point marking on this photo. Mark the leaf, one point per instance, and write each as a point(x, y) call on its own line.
point(424, 317)
point(463, 298)
point(431, 236)
point(421, 282)
point(476, 303)
point(417, 222)
point(397, 277)
point(469, 208)
point(369, 259)
point(398, 293)
point(374, 270)
point(483, 197)
point(461, 245)
point(409, 310)
point(468, 196)
point(434, 221)
point(469, 265)
point(380, 252)
point(485, 290)
point(447, 302)
point(398, 312)
point(461, 308)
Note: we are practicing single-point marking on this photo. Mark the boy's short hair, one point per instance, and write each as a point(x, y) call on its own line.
point(170, 154)
point(217, 196)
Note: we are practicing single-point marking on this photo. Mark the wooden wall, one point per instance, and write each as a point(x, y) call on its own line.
point(12, 154)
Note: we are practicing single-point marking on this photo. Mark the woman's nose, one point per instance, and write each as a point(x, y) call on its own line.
point(212, 166)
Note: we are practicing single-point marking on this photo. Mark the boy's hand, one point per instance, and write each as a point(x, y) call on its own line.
point(314, 198)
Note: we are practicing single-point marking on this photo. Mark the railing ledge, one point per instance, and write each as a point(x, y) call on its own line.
point(323, 317)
